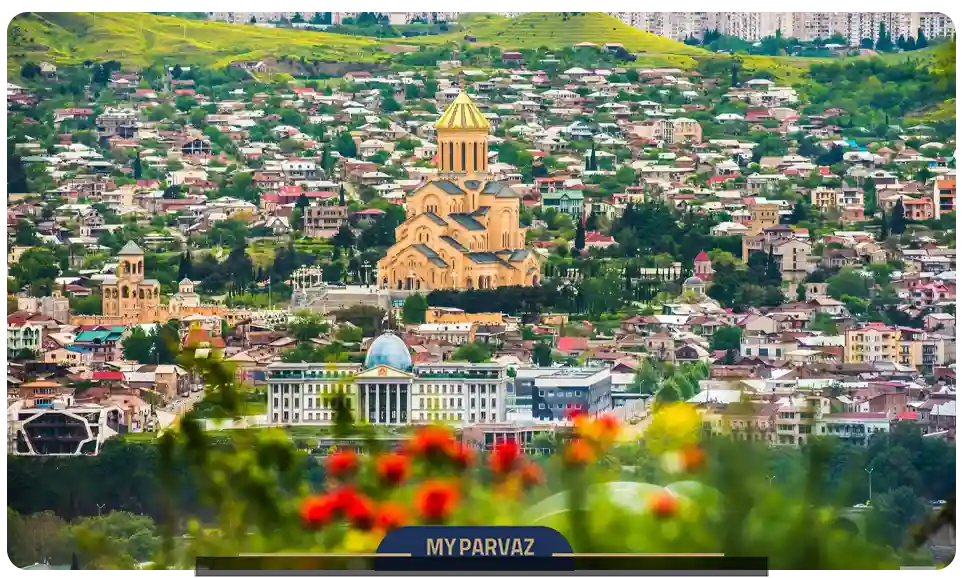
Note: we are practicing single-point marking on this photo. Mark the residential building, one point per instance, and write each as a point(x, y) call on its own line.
point(945, 196)
point(853, 428)
point(565, 201)
point(871, 342)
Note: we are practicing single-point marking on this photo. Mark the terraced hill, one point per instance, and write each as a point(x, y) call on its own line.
point(140, 39)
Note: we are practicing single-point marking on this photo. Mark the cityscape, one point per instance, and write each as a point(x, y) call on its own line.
point(286, 282)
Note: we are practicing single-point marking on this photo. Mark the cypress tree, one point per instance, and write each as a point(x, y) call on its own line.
point(580, 242)
point(921, 39)
point(137, 167)
point(897, 220)
point(884, 229)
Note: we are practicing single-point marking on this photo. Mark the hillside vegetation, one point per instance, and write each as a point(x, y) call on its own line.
point(139, 39)
point(560, 30)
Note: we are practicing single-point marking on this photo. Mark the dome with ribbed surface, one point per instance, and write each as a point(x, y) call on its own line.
point(462, 114)
point(388, 349)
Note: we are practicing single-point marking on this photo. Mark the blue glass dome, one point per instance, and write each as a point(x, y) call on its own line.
point(388, 349)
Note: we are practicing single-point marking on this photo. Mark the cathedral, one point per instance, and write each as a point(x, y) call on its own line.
point(462, 226)
point(128, 295)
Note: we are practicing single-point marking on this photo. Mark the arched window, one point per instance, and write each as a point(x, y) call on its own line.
point(125, 292)
point(141, 293)
point(127, 267)
point(475, 156)
point(451, 157)
point(463, 157)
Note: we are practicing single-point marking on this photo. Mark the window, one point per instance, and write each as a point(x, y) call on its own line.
point(310, 399)
point(297, 399)
point(542, 406)
point(286, 388)
point(274, 388)
point(275, 404)
point(463, 157)
point(286, 402)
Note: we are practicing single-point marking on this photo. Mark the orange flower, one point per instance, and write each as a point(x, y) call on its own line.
point(531, 475)
point(578, 452)
point(392, 468)
point(504, 457)
point(316, 511)
point(431, 441)
point(662, 504)
point(342, 463)
point(390, 516)
point(436, 501)
point(693, 457)
point(462, 456)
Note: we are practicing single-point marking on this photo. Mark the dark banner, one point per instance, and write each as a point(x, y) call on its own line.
point(480, 550)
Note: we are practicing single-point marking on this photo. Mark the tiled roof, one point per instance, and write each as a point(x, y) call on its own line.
point(449, 187)
point(430, 254)
point(466, 221)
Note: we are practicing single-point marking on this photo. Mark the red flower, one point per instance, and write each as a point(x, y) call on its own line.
point(431, 441)
point(504, 457)
point(531, 475)
point(608, 425)
point(360, 512)
point(390, 516)
point(573, 413)
point(578, 452)
point(392, 468)
point(462, 456)
point(662, 504)
point(316, 511)
point(436, 501)
point(342, 463)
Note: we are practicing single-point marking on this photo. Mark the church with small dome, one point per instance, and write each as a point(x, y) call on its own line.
point(462, 227)
point(388, 389)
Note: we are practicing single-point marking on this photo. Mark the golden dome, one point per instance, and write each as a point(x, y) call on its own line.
point(462, 114)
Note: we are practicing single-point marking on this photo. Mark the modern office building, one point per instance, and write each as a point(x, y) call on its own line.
point(557, 391)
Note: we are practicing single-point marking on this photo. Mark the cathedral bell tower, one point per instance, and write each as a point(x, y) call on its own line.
point(463, 137)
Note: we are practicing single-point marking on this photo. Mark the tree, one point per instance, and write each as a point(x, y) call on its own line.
point(39, 266)
point(389, 104)
point(345, 145)
point(349, 334)
point(542, 354)
point(648, 377)
point(137, 166)
point(474, 352)
point(138, 346)
point(727, 338)
point(26, 233)
point(305, 326)
point(580, 241)
point(897, 220)
point(184, 266)
point(414, 309)
point(884, 226)
point(591, 161)
point(921, 39)
point(16, 174)
point(848, 282)
point(368, 317)
point(30, 70)
point(884, 43)
point(893, 513)
point(344, 238)
point(341, 195)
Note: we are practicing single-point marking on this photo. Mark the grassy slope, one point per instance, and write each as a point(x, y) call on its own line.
point(554, 30)
point(139, 38)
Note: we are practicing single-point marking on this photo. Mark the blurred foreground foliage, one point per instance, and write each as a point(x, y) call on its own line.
point(674, 490)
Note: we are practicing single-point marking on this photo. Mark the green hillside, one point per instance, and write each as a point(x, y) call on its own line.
point(140, 39)
point(560, 30)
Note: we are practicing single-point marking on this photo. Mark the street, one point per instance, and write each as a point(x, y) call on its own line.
point(184, 404)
